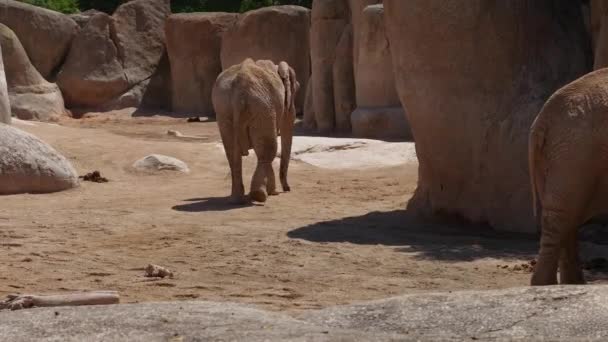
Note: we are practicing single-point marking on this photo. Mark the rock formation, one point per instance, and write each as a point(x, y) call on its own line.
point(29, 165)
point(278, 33)
point(194, 43)
point(329, 19)
point(379, 112)
point(128, 48)
point(31, 96)
point(5, 106)
point(46, 35)
point(472, 94)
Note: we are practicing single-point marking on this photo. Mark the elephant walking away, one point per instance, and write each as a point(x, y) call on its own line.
point(568, 157)
point(254, 102)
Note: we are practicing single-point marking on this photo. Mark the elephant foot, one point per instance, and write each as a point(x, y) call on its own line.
point(543, 279)
point(286, 188)
point(574, 278)
point(273, 193)
point(258, 196)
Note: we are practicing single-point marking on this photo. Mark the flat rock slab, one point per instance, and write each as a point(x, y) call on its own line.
point(559, 313)
point(347, 153)
point(158, 162)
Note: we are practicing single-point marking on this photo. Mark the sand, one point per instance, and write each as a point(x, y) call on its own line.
point(341, 236)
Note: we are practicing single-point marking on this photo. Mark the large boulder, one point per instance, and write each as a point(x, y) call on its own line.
point(29, 165)
point(46, 35)
point(5, 106)
point(356, 18)
point(380, 123)
point(379, 112)
point(277, 33)
point(375, 79)
point(599, 32)
point(344, 81)
point(329, 20)
point(31, 96)
point(472, 79)
point(194, 43)
point(128, 48)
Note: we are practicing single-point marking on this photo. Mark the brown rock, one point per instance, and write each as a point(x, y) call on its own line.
point(83, 18)
point(46, 35)
point(380, 123)
point(277, 33)
point(31, 96)
point(344, 81)
point(309, 111)
point(5, 106)
point(128, 48)
point(356, 11)
point(194, 43)
point(375, 77)
point(599, 33)
point(472, 79)
point(329, 18)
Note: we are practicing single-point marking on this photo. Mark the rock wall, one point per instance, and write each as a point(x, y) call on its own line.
point(5, 106)
point(31, 96)
point(472, 94)
point(46, 35)
point(194, 44)
point(128, 48)
point(278, 33)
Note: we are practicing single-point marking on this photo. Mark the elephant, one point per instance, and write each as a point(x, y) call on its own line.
point(254, 103)
point(568, 160)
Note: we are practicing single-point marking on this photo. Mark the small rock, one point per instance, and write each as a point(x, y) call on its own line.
point(157, 162)
point(155, 271)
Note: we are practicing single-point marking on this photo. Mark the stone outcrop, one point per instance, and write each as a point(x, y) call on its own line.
point(29, 165)
point(599, 32)
point(277, 33)
point(344, 81)
point(46, 35)
point(380, 123)
point(5, 106)
point(470, 112)
point(82, 18)
point(159, 162)
point(194, 43)
point(329, 20)
point(128, 48)
point(379, 112)
point(31, 96)
point(569, 313)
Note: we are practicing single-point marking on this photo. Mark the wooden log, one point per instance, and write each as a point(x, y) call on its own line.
point(17, 302)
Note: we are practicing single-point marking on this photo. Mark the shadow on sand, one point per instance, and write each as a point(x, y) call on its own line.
point(429, 240)
point(197, 205)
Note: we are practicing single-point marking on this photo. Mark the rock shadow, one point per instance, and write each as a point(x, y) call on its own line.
point(198, 205)
point(444, 240)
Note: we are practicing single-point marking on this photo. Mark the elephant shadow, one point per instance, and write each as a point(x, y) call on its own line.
point(445, 240)
point(197, 205)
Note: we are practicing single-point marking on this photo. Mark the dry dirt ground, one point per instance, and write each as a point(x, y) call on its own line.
point(340, 236)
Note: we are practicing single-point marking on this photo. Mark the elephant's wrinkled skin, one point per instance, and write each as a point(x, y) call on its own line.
point(254, 103)
point(568, 154)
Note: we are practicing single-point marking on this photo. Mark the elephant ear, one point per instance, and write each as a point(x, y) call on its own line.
point(288, 76)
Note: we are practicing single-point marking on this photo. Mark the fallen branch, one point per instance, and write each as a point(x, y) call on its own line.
point(17, 302)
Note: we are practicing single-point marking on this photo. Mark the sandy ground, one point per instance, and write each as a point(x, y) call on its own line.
point(340, 236)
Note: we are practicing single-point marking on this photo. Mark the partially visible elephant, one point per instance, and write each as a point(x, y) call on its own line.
point(254, 103)
point(568, 156)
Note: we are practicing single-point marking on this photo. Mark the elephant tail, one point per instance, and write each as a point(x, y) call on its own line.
point(536, 144)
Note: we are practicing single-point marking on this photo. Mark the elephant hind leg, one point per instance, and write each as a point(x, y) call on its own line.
point(545, 271)
point(266, 150)
point(233, 154)
point(570, 271)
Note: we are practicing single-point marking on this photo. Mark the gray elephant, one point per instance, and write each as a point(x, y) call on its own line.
point(254, 103)
point(568, 156)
